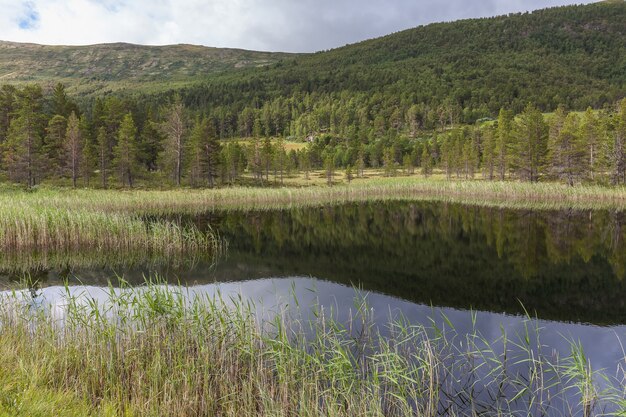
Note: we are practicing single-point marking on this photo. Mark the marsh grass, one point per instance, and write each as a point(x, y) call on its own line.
point(485, 193)
point(29, 227)
point(56, 220)
point(162, 351)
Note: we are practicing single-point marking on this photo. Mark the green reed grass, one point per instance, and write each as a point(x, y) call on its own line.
point(161, 351)
point(32, 225)
point(54, 219)
point(497, 193)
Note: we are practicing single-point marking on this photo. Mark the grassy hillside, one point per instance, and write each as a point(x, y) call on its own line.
point(99, 68)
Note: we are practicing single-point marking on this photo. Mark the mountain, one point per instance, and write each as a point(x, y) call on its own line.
point(572, 55)
point(98, 68)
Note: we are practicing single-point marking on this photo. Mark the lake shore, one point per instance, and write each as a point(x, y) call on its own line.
point(62, 219)
point(504, 194)
point(163, 350)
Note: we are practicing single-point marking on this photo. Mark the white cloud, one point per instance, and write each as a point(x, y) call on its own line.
point(287, 25)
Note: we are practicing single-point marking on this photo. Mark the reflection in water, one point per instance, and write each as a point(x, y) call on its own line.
point(561, 265)
point(565, 265)
point(602, 345)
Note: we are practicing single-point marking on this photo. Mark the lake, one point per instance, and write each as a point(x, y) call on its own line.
point(438, 264)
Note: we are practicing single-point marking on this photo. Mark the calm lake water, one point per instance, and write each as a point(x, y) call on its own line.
point(417, 259)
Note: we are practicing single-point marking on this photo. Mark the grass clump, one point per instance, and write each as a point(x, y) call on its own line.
point(166, 351)
point(35, 226)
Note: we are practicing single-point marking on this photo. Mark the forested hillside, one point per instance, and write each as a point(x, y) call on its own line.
point(467, 98)
point(575, 56)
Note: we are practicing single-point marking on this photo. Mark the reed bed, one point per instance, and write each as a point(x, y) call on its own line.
point(485, 193)
point(55, 220)
point(161, 351)
point(35, 228)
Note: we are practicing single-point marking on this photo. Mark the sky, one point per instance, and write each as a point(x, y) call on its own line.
point(269, 25)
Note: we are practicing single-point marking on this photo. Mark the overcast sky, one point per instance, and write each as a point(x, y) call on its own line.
point(274, 25)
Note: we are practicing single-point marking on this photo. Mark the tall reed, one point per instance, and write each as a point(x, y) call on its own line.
point(28, 226)
point(164, 351)
point(487, 193)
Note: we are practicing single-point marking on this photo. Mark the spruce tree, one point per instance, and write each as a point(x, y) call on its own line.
point(205, 160)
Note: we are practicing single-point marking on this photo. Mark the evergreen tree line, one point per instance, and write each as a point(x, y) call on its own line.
point(114, 141)
point(569, 147)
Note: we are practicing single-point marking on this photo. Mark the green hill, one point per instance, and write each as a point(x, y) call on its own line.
point(573, 55)
point(100, 68)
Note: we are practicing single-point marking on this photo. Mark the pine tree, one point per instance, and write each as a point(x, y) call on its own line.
point(90, 151)
point(447, 155)
point(205, 158)
point(267, 155)
point(125, 152)
point(7, 110)
point(349, 174)
point(360, 163)
point(590, 135)
point(618, 150)
point(211, 155)
point(407, 163)
point(503, 142)
point(174, 147)
point(255, 160)
point(196, 155)
point(470, 156)
point(73, 146)
point(566, 151)
point(389, 163)
point(304, 161)
point(104, 160)
point(281, 158)
point(229, 160)
point(528, 151)
point(23, 147)
point(489, 152)
point(427, 161)
point(329, 168)
point(53, 145)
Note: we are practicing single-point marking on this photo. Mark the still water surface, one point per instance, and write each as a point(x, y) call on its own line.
point(419, 260)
